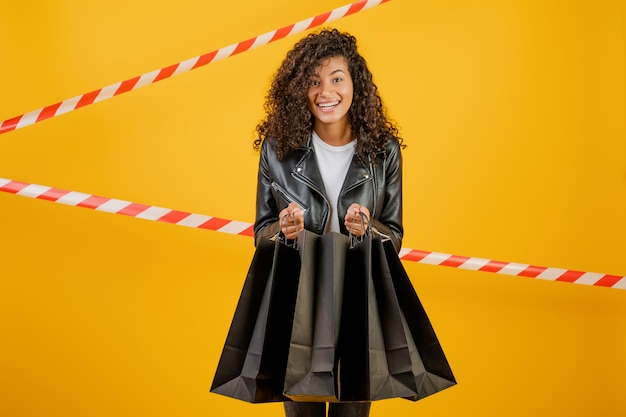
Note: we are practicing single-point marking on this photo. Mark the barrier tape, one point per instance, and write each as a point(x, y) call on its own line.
point(182, 218)
point(115, 206)
point(131, 84)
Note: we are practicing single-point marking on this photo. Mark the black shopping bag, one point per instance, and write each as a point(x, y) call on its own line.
point(365, 373)
point(430, 366)
point(400, 381)
point(254, 359)
point(300, 346)
point(312, 373)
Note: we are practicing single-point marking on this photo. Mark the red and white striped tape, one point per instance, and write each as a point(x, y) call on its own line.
point(182, 218)
point(514, 269)
point(115, 206)
point(131, 84)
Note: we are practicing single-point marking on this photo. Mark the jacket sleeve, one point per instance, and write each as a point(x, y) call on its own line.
point(266, 223)
point(388, 223)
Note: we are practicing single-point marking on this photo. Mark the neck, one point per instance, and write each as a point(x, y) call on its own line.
point(333, 134)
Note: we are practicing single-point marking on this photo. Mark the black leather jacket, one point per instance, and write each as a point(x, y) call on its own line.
point(296, 178)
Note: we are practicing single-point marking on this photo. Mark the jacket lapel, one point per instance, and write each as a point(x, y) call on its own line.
point(358, 173)
point(308, 171)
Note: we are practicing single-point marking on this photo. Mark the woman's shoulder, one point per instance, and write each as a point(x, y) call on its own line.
point(393, 143)
point(268, 147)
point(392, 146)
point(268, 143)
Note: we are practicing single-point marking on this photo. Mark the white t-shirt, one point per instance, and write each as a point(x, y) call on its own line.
point(333, 162)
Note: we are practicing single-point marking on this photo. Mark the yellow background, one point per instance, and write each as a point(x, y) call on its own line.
point(514, 113)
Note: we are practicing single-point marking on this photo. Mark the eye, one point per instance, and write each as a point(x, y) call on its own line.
point(314, 83)
point(337, 80)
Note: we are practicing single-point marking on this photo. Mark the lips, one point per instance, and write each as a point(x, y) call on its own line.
point(328, 106)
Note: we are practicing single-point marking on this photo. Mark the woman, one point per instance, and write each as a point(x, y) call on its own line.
point(328, 153)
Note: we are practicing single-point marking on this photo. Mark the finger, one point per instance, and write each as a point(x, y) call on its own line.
point(290, 233)
point(353, 228)
point(298, 219)
point(293, 208)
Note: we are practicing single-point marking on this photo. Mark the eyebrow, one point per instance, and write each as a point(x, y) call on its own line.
point(317, 75)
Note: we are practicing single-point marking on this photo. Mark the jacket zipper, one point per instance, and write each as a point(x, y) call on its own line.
point(313, 187)
point(288, 197)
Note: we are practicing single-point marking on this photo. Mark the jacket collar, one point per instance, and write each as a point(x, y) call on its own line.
point(308, 171)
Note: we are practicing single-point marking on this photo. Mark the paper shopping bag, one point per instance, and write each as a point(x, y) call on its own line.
point(254, 358)
point(398, 377)
point(366, 327)
point(430, 366)
point(312, 373)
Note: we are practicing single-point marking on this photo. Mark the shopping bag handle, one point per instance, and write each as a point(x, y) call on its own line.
point(356, 239)
point(282, 237)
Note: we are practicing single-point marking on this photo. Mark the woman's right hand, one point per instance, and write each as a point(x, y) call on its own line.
point(294, 222)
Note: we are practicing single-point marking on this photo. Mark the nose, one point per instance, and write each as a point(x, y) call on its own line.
point(326, 89)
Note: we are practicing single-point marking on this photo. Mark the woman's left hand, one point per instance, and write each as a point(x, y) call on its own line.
point(357, 219)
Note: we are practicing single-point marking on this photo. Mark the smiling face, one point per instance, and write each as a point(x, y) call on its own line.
point(330, 94)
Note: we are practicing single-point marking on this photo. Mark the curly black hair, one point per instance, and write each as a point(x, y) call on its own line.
point(287, 116)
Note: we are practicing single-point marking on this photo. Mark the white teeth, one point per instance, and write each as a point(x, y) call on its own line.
point(328, 105)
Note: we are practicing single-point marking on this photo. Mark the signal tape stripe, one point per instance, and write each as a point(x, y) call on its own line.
point(181, 218)
point(121, 87)
point(514, 269)
point(116, 206)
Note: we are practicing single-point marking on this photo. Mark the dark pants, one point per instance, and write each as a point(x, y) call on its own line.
point(347, 409)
